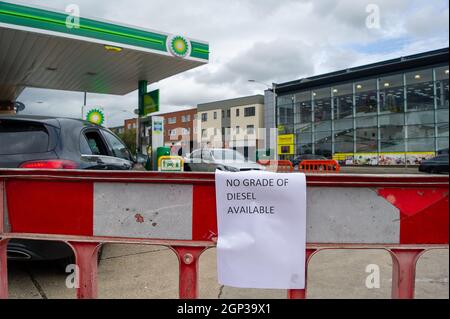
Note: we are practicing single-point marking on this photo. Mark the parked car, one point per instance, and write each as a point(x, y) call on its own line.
point(438, 164)
point(56, 143)
point(208, 160)
point(297, 160)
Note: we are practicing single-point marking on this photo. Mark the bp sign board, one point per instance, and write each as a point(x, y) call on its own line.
point(96, 116)
point(179, 46)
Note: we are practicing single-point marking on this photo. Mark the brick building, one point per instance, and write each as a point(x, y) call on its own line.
point(178, 126)
point(130, 124)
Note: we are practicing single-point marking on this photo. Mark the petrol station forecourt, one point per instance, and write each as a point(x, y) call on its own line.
point(98, 56)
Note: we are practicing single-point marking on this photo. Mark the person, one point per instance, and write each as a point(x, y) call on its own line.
point(181, 149)
point(173, 150)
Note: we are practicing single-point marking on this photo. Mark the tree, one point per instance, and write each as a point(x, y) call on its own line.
point(129, 138)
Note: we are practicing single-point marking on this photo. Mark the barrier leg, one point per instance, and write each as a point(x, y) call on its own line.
point(301, 293)
point(188, 258)
point(86, 256)
point(404, 272)
point(3, 269)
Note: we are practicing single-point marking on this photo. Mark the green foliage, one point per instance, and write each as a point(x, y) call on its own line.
point(129, 138)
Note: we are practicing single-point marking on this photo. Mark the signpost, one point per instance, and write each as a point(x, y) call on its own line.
point(261, 220)
point(157, 137)
point(170, 164)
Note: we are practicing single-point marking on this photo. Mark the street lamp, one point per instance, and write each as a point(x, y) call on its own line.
point(273, 88)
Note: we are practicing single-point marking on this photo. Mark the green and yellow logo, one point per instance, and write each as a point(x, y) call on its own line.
point(179, 46)
point(95, 116)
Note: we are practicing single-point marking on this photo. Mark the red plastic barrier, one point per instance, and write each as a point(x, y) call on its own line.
point(278, 166)
point(319, 166)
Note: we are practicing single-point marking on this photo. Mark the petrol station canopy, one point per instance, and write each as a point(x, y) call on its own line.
point(39, 49)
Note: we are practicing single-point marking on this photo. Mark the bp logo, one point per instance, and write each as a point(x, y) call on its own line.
point(179, 46)
point(95, 116)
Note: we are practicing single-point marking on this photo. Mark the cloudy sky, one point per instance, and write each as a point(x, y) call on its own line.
point(266, 40)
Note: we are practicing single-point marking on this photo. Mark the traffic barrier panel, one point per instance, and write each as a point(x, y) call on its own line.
point(281, 166)
point(319, 166)
point(405, 215)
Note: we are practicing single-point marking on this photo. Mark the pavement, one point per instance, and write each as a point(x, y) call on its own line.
point(134, 271)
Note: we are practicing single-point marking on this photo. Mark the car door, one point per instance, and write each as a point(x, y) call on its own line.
point(93, 150)
point(208, 164)
point(193, 161)
point(119, 157)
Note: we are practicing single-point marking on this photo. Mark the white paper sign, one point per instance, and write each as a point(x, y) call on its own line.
point(261, 219)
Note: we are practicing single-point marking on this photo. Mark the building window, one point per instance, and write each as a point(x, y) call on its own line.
point(173, 133)
point(185, 118)
point(186, 131)
point(171, 120)
point(343, 101)
point(238, 130)
point(237, 112)
point(215, 115)
point(392, 94)
point(322, 105)
point(366, 97)
point(204, 117)
point(228, 113)
point(420, 90)
point(249, 111)
point(250, 129)
point(203, 132)
point(442, 75)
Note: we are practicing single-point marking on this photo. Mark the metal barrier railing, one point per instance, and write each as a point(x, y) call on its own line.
point(319, 166)
point(404, 214)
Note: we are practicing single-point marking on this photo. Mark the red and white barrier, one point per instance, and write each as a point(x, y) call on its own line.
point(404, 214)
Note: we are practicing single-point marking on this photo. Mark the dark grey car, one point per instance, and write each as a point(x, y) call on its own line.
point(56, 143)
point(435, 165)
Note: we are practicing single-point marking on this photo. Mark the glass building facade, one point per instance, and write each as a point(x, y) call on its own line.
point(385, 119)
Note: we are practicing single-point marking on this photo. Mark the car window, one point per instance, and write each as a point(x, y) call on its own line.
point(21, 137)
point(443, 158)
point(228, 155)
point(117, 147)
point(84, 146)
point(206, 155)
point(196, 155)
point(95, 144)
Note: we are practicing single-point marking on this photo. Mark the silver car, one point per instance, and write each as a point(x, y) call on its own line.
point(208, 160)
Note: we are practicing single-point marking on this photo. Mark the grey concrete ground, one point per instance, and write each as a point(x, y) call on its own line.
point(152, 271)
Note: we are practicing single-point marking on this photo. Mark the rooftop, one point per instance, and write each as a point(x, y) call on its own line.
point(388, 66)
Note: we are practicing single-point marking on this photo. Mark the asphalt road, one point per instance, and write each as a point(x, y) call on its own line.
point(152, 271)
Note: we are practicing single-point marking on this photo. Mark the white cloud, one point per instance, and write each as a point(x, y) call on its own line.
point(265, 40)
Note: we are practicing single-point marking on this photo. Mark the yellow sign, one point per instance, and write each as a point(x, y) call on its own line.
point(285, 149)
point(286, 144)
point(286, 139)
